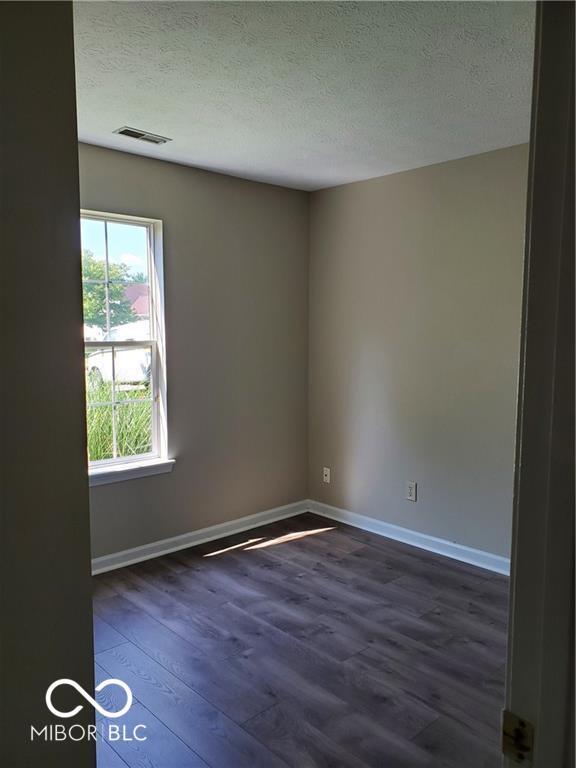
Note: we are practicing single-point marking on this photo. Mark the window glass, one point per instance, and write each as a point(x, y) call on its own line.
point(128, 251)
point(133, 428)
point(120, 348)
point(100, 432)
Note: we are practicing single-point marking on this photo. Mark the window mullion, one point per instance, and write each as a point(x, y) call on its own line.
point(114, 431)
point(150, 259)
point(118, 343)
point(106, 279)
point(107, 300)
point(155, 396)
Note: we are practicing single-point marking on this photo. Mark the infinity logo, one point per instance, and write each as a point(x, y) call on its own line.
point(82, 692)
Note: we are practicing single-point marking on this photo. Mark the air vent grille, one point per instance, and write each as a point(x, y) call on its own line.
point(136, 133)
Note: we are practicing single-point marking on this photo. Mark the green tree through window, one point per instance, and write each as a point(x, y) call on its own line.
point(120, 307)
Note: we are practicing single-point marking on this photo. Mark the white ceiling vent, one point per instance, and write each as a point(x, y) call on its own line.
point(136, 133)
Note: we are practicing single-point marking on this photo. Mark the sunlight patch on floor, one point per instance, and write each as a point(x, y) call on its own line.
point(235, 546)
point(261, 542)
point(288, 537)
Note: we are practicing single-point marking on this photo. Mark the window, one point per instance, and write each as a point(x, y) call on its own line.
point(124, 341)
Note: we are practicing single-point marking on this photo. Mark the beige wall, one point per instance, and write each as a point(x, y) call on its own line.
point(236, 283)
point(415, 295)
point(414, 318)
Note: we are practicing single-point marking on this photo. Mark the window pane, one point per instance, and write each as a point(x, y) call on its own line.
point(100, 433)
point(98, 365)
point(94, 277)
point(129, 311)
point(94, 304)
point(121, 311)
point(134, 428)
point(128, 252)
point(133, 368)
point(93, 238)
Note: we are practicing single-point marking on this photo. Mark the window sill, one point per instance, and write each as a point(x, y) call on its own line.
point(118, 473)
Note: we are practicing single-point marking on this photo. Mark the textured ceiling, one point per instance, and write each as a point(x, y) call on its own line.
point(306, 94)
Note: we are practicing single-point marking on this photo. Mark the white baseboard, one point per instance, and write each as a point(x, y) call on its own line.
point(460, 552)
point(165, 546)
point(465, 554)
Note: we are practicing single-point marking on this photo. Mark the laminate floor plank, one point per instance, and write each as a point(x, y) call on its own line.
point(485, 684)
point(447, 741)
point(378, 745)
point(484, 592)
point(305, 625)
point(412, 570)
point(105, 636)
point(339, 572)
point(450, 697)
point(297, 742)
point(149, 742)
point(190, 591)
point(305, 643)
point(182, 619)
point(483, 612)
point(214, 679)
point(350, 687)
point(211, 735)
point(106, 757)
point(391, 547)
point(373, 629)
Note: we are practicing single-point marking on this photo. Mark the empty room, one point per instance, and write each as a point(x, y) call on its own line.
point(289, 423)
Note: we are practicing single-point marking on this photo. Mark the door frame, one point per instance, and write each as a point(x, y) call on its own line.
point(541, 636)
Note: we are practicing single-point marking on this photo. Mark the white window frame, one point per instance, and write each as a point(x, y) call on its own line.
point(129, 467)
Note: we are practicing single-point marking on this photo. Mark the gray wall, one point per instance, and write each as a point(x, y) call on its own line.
point(236, 283)
point(415, 294)
point(45, 555)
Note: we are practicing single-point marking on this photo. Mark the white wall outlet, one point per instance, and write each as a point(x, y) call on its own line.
point(411, 493)
point(326, 474)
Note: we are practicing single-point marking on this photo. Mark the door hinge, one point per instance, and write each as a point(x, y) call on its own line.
point(517, 737)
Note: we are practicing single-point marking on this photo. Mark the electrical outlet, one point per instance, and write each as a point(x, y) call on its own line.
point(411, 493)
point(326, 474)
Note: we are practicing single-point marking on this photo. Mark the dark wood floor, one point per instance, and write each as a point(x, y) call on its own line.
point(316, 644)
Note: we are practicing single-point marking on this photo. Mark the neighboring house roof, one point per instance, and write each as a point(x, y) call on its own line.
point(138, 295)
